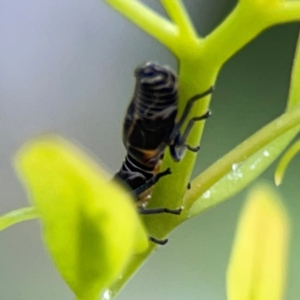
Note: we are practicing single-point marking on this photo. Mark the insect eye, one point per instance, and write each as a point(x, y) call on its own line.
point(146, 72)
point(149, 69)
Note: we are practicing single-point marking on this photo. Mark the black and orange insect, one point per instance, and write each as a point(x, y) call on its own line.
point(150, 127)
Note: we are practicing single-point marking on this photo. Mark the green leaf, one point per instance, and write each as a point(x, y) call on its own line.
point(90, 225)
point(257, 268)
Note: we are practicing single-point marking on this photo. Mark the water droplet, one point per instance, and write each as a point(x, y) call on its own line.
point(207, 194)
point(107, 295)
point(236, 173)
point(229, 176)
point(234, 167)
point(239, 174)
point(266, 153)
point(254, 164)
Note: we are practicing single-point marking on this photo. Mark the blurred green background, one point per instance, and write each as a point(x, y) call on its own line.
point(67, 66)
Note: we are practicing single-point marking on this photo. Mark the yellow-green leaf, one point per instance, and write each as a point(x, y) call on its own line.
point(257, 266)
point(90, 224)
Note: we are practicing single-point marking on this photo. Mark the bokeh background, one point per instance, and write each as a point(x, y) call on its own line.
point(67, 66)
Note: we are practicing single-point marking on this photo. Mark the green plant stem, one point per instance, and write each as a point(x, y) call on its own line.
point(285, 161)
point(240, 153)
point(294, 92)
point(245, 150)
point(241, 176)
point(169, 192)
point(17, 216)
point(290, 12)
point(257, 141)
point(161, 225)
point(200, 61)
point(235, 32)
point(178, 14)
point(134, 265)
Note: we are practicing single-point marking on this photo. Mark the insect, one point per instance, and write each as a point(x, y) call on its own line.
point(150, 127)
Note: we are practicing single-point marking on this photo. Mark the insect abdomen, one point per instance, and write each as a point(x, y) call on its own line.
point(151, 114)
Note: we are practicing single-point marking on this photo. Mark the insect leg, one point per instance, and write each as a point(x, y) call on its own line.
point(160, 210)
point(190, 104)
point(145, 211)
point(178, 147)
point(157, 241)
point(151, 182)
point(181, 139)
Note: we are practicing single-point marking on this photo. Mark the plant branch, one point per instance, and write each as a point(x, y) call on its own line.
point(288, 12)
point(285, 161)
point(243, 151)
point(241, 175)
point(246, 21)
point(200, 60)
point(148, 20)
point(179, 16)
point(235, 32)
point(17, 216)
